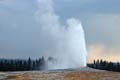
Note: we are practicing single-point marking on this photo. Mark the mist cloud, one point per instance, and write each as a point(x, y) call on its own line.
point(64, 42)
point(39, 32)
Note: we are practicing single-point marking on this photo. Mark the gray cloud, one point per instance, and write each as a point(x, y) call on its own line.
point(69, 8)
point(17, 30)
point(103, 28)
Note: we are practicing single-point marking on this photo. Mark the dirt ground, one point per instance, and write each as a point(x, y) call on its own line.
point(60, 75)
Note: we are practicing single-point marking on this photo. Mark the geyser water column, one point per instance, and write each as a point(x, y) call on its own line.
point(64, 43)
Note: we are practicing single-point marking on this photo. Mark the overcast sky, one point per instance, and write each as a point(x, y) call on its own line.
point(100, 19)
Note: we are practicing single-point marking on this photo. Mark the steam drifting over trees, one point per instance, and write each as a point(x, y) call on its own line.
point(22, 65)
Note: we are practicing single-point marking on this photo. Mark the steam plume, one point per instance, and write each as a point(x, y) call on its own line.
point(66, 43)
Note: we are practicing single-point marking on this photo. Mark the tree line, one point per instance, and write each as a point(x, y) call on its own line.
point(22, 65)
point(40, 64)
point(105, 65)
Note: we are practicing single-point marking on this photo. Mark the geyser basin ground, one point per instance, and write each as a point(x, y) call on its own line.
point(73, 74)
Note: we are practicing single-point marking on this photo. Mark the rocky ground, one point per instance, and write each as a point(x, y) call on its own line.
point(67, 74)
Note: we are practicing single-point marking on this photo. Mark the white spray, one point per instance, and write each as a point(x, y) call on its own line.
point(65, 43)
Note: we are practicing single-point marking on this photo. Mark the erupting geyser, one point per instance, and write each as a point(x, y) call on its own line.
point(64, 43)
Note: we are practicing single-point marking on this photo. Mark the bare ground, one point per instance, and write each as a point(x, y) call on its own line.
point(82, 74)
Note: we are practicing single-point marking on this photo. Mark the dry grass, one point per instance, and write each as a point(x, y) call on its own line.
point(17, 77)
point(92, 76)
point(64, 76)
